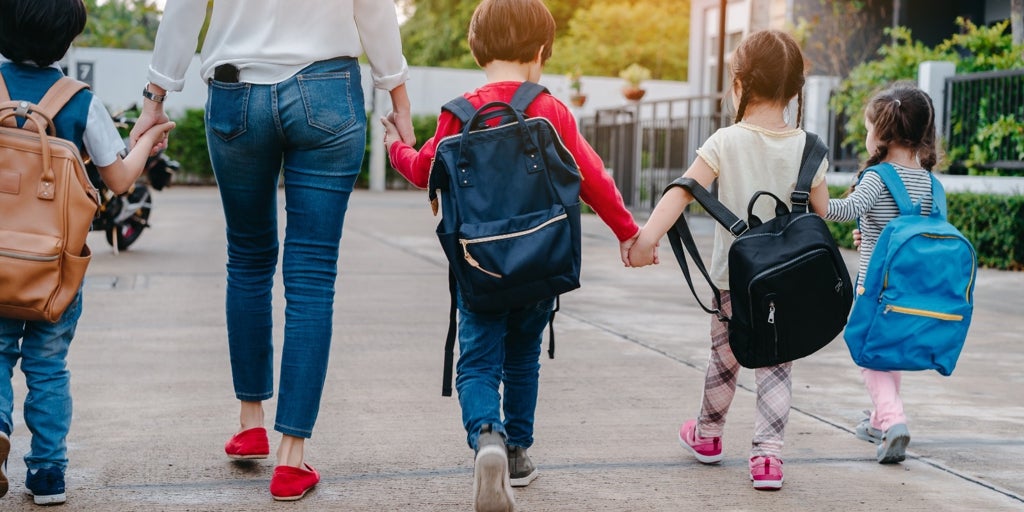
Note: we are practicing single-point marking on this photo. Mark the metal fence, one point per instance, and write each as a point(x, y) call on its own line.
point(646, 145)
point(990, 102)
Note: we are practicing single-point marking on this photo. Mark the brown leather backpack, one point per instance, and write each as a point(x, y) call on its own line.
point(47, 205)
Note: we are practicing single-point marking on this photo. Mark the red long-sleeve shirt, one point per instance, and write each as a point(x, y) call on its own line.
point(597, 189)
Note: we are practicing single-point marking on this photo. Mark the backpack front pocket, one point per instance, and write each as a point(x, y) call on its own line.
point(524, 247)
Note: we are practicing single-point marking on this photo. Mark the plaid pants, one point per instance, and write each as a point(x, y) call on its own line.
point(774, 392)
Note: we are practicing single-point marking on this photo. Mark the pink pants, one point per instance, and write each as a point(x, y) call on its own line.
point(884, 389)
point(774, 393)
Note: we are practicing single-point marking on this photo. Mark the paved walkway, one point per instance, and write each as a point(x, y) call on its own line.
point(153, 400)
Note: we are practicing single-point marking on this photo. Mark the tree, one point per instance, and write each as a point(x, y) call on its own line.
point(120, 24)
point(589, 35)
point(838, 35)
point(609, 36)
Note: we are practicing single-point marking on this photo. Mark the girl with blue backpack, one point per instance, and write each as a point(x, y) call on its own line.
point(900, 123)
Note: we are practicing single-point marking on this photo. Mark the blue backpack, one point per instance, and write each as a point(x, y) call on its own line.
point(510, 210)
point(918, 293)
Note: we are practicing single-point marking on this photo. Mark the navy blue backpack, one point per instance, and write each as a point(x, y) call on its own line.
point(509, 194)
point(918, 294)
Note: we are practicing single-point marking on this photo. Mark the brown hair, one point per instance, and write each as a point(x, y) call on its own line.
point(769, 66)
point(904, 114)
point(511, 30)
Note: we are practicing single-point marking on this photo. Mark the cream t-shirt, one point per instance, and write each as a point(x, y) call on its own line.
point(747, 158)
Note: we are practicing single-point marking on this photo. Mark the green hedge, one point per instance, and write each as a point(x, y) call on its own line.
point(993, 223)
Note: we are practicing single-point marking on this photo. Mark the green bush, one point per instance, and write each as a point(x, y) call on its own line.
point(188, 146)
point(992, 223)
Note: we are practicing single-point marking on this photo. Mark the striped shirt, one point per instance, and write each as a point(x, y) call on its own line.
point(872, 203)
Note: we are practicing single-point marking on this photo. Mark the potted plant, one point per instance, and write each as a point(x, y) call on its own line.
point(634, 75)
point(576, 97)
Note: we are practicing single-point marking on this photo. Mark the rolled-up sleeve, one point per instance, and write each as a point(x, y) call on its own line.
point(377, 23)
point(176, 42)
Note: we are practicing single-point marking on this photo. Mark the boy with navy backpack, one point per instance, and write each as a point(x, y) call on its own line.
point(511, 40)
point(915, 285)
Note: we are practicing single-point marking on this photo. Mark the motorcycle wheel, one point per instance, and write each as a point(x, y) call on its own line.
point(128, 232)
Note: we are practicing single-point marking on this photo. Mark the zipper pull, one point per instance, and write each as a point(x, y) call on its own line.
point(771, 312)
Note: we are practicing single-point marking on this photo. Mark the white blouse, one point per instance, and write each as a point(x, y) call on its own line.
point(271, 40)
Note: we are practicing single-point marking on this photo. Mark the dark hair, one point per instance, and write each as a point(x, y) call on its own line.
point(903, 114)
point(40, 31)
point(769, 66)
point(511, 30)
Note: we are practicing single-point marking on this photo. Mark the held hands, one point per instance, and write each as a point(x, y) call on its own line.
point(398, 126)
point(152, 114)
point(624, 248)
point(154, 137)
point(643, 252)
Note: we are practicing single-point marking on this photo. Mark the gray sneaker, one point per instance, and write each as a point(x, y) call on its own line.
point(893, 447)
point(520, 468)
point(868, 433)
point(492, 490)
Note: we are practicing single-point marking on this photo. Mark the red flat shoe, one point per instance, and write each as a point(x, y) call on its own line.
point(290, 484)
point(248, 444)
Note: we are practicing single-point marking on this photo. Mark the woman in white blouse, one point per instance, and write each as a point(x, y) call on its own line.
point(284, 93)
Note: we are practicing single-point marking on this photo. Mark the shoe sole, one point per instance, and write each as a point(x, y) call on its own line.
point(50, 499)
point(706, 459)
point(248, 457)
point(523, 481)
point(767, 485)
point(292, 498)
point(894, 449)
point(490, 478)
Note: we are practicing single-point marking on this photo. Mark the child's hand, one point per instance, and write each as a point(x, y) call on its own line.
point(856, 239)
point(643, 252)
point(391, 134)
point(624, 248)
point(156, 134)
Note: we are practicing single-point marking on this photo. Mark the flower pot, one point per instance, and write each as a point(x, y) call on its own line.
point(578, 100)
point(633, 93)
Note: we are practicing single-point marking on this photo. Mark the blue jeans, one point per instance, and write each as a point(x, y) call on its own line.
point(43, 351)
point(500, 348)
point(312, 125)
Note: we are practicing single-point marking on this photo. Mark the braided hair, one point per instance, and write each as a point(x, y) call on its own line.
point(902, 114)
point(769, 66)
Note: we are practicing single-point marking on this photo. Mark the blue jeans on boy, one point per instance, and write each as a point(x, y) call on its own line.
point(500, 348)
point(43, 348)
point(313, 124)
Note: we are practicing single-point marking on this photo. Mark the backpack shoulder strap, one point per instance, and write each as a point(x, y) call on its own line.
point(814, 152)
point(894, 183)
point(525, 94)
point(59, 94)
point(938, 198)
point(461, 108)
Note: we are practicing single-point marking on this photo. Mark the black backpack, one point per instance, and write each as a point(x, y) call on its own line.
point(510, 210)
point(790, 289)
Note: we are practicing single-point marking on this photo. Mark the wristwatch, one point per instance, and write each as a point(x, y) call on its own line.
point(146, 93)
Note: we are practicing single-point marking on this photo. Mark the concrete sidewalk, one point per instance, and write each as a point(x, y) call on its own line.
point(154, 402)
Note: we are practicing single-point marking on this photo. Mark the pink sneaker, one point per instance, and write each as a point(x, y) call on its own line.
point(766, 473)
point(707, 449)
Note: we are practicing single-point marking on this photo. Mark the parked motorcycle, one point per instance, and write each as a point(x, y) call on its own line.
point(124, 217)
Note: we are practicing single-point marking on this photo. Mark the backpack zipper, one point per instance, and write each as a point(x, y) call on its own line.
point(775, 328)
point(27, 257)
point(922, 312)
point(494, 238)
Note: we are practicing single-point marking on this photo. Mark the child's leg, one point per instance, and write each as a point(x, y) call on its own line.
point(720, 380)
point(11, 332)
point(522, 370)
point(884, 388)
point(48, 405)
point(774, 395)
point(478, 370)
